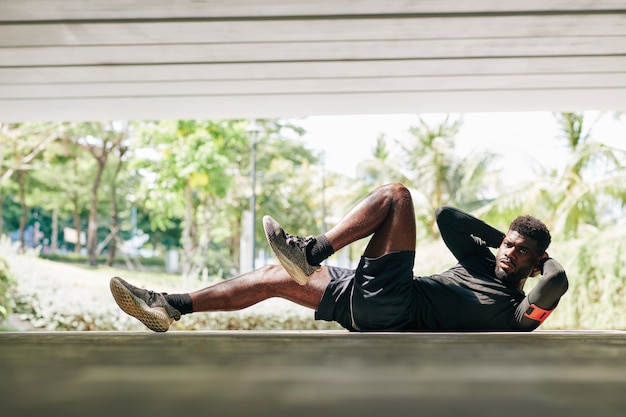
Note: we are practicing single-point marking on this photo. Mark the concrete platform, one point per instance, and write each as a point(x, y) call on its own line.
point(244, 373)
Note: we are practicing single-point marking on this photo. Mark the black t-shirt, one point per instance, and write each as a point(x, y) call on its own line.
point(468, 296)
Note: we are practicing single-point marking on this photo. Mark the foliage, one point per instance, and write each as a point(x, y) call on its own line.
point(72, 169)
point(6, 285)
point(54, 296)
point(190, 195)
point(11, 211)
point(596, 298)
point(588, 193)
point(197, 173)
point(260, 318)
point(426, 162)
point(73, 258)
point(180, 155)
point(21, 146)
point(100, 140)
point(189, 181)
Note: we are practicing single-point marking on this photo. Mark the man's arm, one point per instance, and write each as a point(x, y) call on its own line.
point(464, 233)
point(544, 297)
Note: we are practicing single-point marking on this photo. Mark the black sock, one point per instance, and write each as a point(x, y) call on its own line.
point(319, 251)
point(181, 302)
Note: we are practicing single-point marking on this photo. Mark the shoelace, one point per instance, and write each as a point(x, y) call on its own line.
point(297, 241)
point(156, 299)
point(151, 297)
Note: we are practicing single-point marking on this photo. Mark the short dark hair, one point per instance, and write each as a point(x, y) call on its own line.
point(533, 228)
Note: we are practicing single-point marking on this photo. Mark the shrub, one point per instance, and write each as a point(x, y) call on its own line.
point(55, 296)
point(597, 283)
point(6, 286)
point(74, 258)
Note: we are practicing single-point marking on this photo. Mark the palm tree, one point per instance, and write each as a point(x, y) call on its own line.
point(438, 174)
point(380, 168)
point(593, 177)
point(427, 163)
point(578, 196)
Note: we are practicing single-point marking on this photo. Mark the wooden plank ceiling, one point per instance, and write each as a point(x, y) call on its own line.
point(152, 59)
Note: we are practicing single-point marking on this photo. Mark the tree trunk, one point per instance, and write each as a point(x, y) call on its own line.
point(115, 221)
point(77, 226)
point(1, 215)
point(205, 239)
point(186, 235)
point(54, 237)
point(92, 227)
point(115, 227)
point(22, 192)
point(76, 213)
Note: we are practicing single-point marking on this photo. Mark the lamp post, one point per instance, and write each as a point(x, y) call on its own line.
point(253, 131)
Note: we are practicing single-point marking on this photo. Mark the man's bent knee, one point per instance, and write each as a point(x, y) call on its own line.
point(400, 191)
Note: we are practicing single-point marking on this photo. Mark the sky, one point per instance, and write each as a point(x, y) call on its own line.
point(522, 140)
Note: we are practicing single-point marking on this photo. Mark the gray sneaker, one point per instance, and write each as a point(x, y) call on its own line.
point(290, 250)
point(148, 307)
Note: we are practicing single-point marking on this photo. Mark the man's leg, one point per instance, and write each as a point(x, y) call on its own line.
point(261, 284)
point(387, 214)
point(158, 310)
point(381, 298)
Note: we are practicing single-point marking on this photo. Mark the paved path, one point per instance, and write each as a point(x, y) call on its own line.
point(301, 374)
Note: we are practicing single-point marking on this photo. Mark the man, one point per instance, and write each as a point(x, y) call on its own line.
point(482, 292)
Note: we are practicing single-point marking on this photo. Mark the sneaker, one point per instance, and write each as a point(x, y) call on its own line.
point(290, 250)
point(148, 307)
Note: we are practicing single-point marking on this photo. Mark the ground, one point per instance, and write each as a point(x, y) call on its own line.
point(313, 373)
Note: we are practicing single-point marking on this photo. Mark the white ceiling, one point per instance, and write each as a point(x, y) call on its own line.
point(153, 59)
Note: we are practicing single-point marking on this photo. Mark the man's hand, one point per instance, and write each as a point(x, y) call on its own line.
point(538, 269)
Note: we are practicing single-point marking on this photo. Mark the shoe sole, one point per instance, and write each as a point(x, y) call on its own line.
point(155, 319)
point(296, 273)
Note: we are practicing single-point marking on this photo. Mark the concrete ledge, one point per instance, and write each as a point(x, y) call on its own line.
point(313, 373)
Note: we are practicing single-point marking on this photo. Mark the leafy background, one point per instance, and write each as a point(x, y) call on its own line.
point(184, 186)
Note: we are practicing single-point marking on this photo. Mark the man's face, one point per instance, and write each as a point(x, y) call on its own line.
point(516, 257)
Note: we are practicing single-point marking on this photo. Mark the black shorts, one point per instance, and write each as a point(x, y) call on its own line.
point(377, 296)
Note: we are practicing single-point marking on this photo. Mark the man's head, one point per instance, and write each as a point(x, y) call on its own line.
point(533, 228)
point(522, 249)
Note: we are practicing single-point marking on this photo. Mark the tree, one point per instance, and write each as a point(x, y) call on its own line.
point(122, 150)
point(290, 180)
point(581, 194)
point(199, 174)
point(25, 142)
point(72, 167)
point(100, 140)
point(187, 177)
point(380, 168)
point(427, 163)
point(593, 177)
